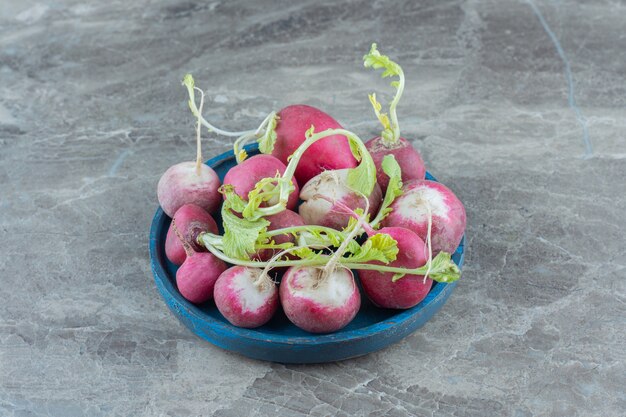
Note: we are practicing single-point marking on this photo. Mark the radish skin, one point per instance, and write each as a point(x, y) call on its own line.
point(191, 220)
point(241, 300)
point(181, 184)
point(319, 305)
point(408, 158)
point(196, 277)
point(321, 191)
point(282, 220)
point(329, 153)
point(409, 290)
point(410, 211)
point(244, 177)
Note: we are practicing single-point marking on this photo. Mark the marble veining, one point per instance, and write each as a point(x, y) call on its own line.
point(517, 106)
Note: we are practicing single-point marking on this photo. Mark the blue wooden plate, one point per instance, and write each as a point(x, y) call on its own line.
point(280, 341)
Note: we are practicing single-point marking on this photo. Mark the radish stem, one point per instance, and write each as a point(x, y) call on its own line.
point(189, 82)
point(448, 268)
point(332, 263)
point(199, 135)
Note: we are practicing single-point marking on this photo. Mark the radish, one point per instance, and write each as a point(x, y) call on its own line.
point(196, 277)
point(319, 302)
point(284, 219)
point(408, 158)
point(189, 182)
point(333, 152)
point(280, 134)
point(390, 142)
point(410, 210)
point(323, 195)
point(361, 180)
point(244, 177)
point(245, 296)
point(323, 300)
point(191, 220)
point(410, 289)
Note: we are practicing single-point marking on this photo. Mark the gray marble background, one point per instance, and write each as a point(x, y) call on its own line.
point(519, 106)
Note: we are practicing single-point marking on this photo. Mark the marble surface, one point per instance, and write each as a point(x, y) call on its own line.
point(519, 106)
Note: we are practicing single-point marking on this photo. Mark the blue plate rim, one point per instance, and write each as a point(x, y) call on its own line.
point(438, 291)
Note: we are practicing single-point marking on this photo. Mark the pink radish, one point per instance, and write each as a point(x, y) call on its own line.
point(186, 183)
point(409, 290)
point(408, 158)
point(196, 277)
point(332, 152)
point(390, 142)
point(318, 303)
point(285, 218)
point(191, 220)
point(322, 300)
point(323, 194)
point(410, 210)
point(190, 182)
point(244, 177)
point(245, 296)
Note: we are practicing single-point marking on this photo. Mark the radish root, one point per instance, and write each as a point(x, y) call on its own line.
point(188, 249)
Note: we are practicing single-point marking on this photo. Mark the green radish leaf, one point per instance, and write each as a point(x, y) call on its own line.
point(240, 235)
point(320, 238)
point(380, 247)
point(265, 190)
point(232, 199)
point(268, 140)
point(241, 155)
point(442, 269)
point(354, 148)
point(305, 253)
point(189, 82)
point(382, 117)
point(374, 59)
point(361, 179)
point(394, 189)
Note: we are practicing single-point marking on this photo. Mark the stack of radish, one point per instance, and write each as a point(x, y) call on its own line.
point(298, 211)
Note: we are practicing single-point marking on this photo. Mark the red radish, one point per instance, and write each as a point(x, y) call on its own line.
point(244, 177)
point(245, 297)
point(409, 290)
point(410, 210)
point(329, 153)
point(190, 182)
point(184, 183)
point(390, 142)
point(316, 303)
point(323, 195)
point(408, 158)
point(322, 300)
point(197, 275)
point(285, 218)
point(191, 220)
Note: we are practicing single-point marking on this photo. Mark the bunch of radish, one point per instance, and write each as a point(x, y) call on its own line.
point(315, 205)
